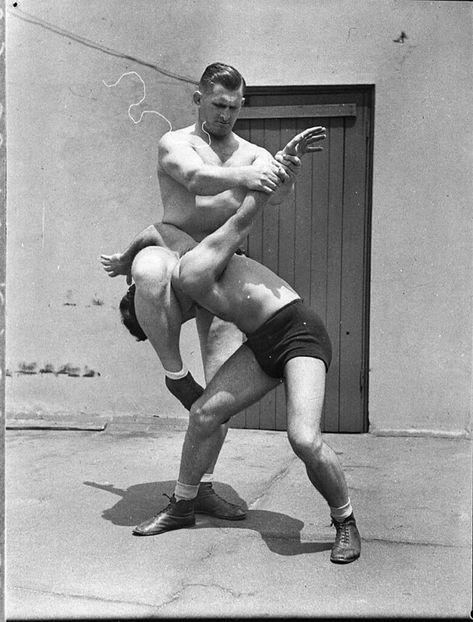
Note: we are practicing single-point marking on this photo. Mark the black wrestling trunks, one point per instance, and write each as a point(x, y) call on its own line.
point(294, 330)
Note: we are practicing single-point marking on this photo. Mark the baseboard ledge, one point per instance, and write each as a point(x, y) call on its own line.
point(421, 433)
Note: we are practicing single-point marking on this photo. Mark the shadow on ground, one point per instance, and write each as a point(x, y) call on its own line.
point(280, 532)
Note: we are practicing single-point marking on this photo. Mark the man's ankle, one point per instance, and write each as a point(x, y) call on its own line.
point(341, 513)
point(185, 492)
point(185, 389)
point(176, 375)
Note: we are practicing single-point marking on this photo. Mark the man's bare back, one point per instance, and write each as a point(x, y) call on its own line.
point(246, 294)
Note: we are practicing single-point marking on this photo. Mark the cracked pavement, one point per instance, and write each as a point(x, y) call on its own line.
point(73, 497)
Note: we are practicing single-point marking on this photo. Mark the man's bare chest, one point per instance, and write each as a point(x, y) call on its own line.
point(227, 156)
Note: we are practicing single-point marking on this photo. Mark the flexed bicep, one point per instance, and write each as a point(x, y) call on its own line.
point(178, 159)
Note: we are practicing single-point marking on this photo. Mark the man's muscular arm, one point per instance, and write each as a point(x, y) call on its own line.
point(180, 160)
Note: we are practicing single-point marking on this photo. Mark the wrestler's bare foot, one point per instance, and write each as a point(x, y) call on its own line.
point(117, 264)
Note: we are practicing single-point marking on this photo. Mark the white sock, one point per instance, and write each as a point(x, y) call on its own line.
point(185, 491)
point(176, 375)
point(207, 478)
point(339, 514)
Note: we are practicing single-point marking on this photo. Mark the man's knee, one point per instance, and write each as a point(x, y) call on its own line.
point(203, 421)
point(151, 272)
point(152, 269)
point(307, 443)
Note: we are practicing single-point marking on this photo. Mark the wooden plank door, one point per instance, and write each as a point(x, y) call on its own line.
point(318, 240)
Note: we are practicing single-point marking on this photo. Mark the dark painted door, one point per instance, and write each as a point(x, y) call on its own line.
point(319, 239)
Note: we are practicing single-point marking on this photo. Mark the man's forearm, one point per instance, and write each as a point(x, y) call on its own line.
point(242, 221)
point(147, 237)
point(231, 235)
point(292, 166)
point(212, 180)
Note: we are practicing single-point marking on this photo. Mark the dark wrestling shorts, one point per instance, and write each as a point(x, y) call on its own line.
point(294, 330)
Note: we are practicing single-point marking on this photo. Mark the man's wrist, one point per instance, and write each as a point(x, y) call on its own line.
point(243, 176)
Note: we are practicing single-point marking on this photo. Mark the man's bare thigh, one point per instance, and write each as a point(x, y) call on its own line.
point(174, 238)
point(218, 341)
point(152, 270)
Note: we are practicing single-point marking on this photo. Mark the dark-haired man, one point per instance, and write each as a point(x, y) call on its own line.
point(204, 170)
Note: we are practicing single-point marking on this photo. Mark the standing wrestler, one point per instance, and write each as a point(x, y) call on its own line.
point(286, 341)
point(204, 172)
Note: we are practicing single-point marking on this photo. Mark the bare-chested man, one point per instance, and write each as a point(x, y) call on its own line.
point(204, 171)
point(286, 340)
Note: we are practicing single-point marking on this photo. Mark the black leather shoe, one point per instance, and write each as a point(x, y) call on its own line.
point(176, 515)
point(209, 502)
point(347, 545)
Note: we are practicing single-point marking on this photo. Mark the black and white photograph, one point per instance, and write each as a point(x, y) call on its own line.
point(236, 309)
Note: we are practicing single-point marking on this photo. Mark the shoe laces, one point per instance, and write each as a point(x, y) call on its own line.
point(172, 501)
point(343, 531)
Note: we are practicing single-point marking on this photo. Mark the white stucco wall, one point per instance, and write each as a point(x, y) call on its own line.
point(81, 181)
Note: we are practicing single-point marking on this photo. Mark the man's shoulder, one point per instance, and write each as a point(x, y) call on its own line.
point(173, 137)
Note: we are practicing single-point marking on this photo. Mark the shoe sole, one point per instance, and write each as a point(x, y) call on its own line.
point(344, 561)
point(156, 533)
point(221, 517)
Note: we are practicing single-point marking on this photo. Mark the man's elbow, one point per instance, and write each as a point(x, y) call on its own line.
point(201, 182)
point(193, 182)
point(192, 186)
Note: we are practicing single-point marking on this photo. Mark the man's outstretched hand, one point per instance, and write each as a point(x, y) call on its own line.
point(303, 142)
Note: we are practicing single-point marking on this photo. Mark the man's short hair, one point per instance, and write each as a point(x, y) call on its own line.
point(220, 73)
point(129, 319)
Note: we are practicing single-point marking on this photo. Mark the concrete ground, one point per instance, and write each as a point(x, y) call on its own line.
point(74, 495)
